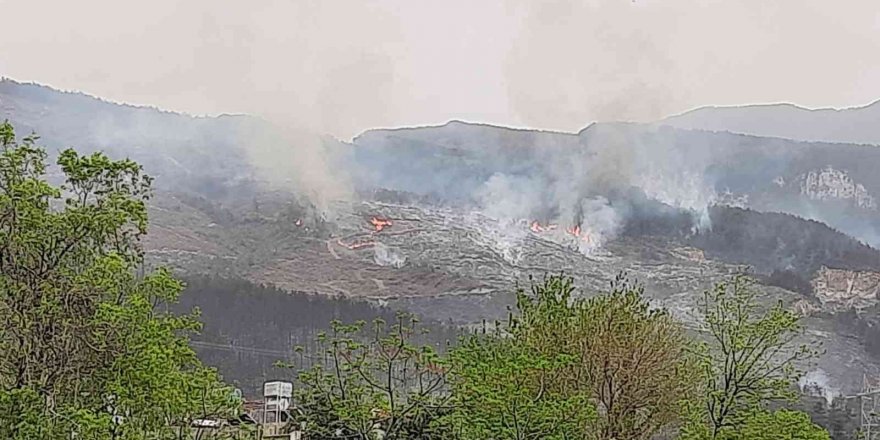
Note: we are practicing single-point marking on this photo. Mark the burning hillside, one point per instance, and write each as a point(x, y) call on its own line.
point(468, 211)
point(459, 264)
point(380, 223)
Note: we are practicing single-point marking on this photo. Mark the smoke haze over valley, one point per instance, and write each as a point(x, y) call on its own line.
point(472, 207)
point(344, 160)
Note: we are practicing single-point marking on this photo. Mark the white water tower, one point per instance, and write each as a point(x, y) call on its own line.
point(277, 396)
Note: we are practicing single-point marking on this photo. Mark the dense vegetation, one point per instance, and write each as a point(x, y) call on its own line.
point(784, 250)
point(247, 327)
point(93, 349)
point(775, 241)
point(610, 367)
point(88, 349)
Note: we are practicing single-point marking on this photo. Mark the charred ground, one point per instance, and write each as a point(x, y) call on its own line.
point(677, 209)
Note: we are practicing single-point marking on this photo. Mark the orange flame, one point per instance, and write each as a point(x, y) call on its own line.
point(537, 227)
point(380, 223)
point(577, 232)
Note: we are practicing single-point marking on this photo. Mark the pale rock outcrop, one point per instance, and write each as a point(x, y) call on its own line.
point(840, 288)
point(829, 184)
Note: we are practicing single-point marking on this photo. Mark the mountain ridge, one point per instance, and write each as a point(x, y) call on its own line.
point(640, 185)
point(778, 104)
point(859, 124)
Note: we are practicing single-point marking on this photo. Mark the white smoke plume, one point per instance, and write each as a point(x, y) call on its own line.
point(686, 190)
point(504, 236)
point(510, 197)
point(302, 162)
point(816, 383)
point(600, 223)
point(579, 184)
point(386, 256)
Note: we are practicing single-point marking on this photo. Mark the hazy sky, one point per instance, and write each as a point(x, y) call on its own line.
point(344, 66)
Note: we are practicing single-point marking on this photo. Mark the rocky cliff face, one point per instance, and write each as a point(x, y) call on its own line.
point(830, 183)
point(841, 289)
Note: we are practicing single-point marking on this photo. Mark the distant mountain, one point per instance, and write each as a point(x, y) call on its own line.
point(519, 172)
point(830, 182)
point(476, 208)
point(203, 155)
point(859, 125)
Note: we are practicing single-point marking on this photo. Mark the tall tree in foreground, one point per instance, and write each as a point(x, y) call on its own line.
point(637, 361)
point(752, 358)
point(86, 350)
point(374, 382)
point(609, 367)
point(506, 390)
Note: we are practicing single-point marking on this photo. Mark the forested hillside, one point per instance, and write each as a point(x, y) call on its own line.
point(248, 327)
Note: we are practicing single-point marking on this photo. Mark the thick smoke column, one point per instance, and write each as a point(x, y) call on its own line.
point(311, 166)
point(581, 185)
point(578, 188)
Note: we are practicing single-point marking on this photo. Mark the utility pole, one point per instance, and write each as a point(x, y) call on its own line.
point(869, 408)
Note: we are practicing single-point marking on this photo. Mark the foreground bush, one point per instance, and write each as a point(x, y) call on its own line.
point(86, 350)
point(564, 367)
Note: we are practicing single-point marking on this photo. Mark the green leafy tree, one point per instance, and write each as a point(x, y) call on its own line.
point(609, 367)
point(88, 349)
point(637, 360)
point(752, 357)
point(505, 390)
point(374, 382)
point(781, 424)
point(761, 424)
